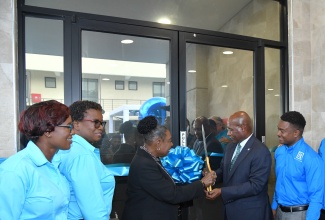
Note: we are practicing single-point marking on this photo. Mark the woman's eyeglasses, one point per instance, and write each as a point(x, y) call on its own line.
point(97, 123)
point(70, 126)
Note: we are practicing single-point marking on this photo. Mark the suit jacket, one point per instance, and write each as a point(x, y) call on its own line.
point(244, 190)
point(151, 192)
point(213, 146)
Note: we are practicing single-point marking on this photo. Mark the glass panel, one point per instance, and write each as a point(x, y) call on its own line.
point(90, 89)
point(44, 60)
point(245, 17)
point(257, 19)
point(217, 84)
point(273, 109)
point(112, 65)
point(272, 106)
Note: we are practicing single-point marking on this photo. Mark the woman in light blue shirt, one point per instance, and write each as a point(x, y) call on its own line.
point(92, 185)
point(31, 187)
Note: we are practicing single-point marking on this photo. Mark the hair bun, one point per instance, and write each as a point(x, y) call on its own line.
point(147, 124)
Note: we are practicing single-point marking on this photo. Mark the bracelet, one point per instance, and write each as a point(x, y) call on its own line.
point(203, 184)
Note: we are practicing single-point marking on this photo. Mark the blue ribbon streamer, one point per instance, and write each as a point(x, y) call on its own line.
point(119, 169)
point(215, 154)
point(183, 164)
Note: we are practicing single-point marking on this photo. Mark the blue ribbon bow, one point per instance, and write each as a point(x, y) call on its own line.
point(183, 164)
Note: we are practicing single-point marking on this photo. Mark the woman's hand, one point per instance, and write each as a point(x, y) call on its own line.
point(209, 178)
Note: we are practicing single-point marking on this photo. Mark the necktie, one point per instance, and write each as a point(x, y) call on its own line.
point(198, 148)
point(237, 151)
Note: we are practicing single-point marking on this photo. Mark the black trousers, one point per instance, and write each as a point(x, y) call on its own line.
point(322, 215)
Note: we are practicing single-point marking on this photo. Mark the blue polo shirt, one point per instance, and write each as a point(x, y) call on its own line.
point(32, 188)
point(321, 152)
point(221, 135)
point(91, 184)
point(299, 174)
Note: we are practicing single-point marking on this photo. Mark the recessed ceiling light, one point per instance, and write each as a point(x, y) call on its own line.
point(164, 21)
point(192, 71)
point(168, 83)
point(105, 79)
point(127, 41)
point(224, 86)
point(270, 89)
point(276, 95)
point(227, 52)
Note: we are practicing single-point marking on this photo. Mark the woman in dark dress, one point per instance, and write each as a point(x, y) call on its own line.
point(152, 193)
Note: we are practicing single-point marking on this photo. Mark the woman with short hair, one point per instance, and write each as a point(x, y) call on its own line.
point(92, 184)
point(31, 187)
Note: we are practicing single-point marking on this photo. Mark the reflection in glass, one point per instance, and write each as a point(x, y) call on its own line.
point(123, 78)
point(221, 84)
point(253, 18)
point(217, 84)
point(272, 96)
point(272, 106)
point(129, 85)
point(44, 60)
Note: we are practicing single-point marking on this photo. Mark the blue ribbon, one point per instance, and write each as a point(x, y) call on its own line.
point(215, 154)
point(2, 159)
point(119, 169)
point(183, 164)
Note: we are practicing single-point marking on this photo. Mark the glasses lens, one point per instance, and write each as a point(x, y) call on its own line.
point(104, 123)
point(98, 123)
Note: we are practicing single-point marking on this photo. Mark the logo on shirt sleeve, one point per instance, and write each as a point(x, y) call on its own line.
point(299, 156)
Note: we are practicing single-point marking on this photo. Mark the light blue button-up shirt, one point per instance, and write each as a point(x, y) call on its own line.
point(91, 184)
point(32, 188)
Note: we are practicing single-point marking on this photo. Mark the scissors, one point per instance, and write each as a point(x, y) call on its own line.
point(206, 161)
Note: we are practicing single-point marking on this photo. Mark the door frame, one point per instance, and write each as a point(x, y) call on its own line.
point(258, 68)
point(75, 22)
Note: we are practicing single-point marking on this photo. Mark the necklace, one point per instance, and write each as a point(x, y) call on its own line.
point(156, 159)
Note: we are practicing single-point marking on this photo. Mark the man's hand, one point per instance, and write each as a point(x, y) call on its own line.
point(212, 195)
point(274, 213)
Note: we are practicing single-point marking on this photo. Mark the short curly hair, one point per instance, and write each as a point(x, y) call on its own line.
point(295, 118)
point(79, 108)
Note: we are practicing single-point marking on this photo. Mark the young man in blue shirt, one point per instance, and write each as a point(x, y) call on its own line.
point(299, 173)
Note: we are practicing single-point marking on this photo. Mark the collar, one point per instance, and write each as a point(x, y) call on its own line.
point(83, 142)
point(291, 148)
point(242, 143)
point(35, 154)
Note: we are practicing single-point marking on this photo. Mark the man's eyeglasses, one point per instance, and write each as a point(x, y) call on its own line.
point(70, 126)
point(97, 123)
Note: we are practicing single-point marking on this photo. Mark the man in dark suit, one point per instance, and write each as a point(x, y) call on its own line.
point(206, 209)
point(244, 170)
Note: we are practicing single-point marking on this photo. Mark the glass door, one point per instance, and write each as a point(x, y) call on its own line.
point(220, 77)
point(219, 82)
point(131, 77)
